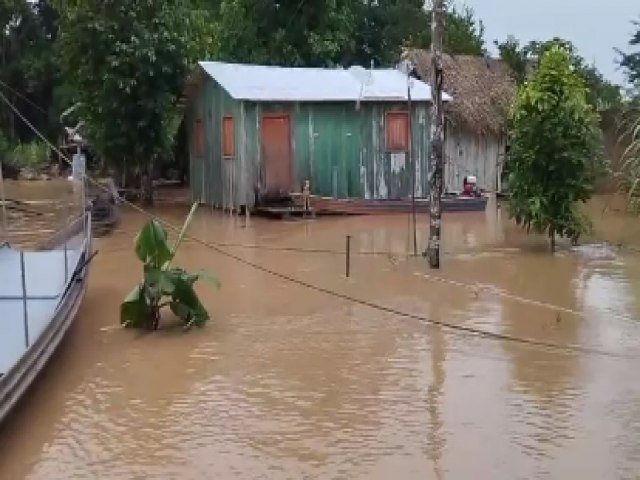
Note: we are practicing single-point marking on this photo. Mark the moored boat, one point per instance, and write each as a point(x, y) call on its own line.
point(40, 294)
point(361, 206)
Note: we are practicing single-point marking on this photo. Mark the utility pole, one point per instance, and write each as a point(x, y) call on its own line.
point(437, 134)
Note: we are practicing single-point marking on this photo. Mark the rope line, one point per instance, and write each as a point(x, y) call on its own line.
point(475, 288)
point(329, 292)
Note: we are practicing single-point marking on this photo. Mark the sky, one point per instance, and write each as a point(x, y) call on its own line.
point(595, 27)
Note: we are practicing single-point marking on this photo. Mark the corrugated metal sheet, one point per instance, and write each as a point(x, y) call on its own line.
point(281, 84)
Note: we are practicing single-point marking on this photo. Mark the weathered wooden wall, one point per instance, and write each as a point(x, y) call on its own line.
point(468, 153)
point(213, 180)
point(341, 149)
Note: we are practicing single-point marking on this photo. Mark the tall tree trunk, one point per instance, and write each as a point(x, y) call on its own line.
point(437, 134)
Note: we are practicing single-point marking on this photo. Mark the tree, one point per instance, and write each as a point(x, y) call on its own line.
point(335, 32)
point(464, 35)
point(523, 59)
point(126, 63)
point(630, 61)
point(515, 56)
point(28, 69)
point(289, 32)
point(554, 147)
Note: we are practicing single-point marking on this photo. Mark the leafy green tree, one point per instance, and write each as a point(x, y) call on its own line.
point(515, 56)
point(554, 149)
point(335, 32)
point(630, 61)
point(126, 63)
point(285, 33)
point(523, 59)
point(28, 68)
point(464, 35)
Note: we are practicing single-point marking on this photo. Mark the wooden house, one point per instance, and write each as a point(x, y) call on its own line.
point(267, 129)
point(475, 129)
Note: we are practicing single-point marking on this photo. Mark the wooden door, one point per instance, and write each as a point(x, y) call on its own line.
point(276, 153)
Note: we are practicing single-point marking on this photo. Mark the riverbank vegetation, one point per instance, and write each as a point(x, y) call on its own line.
point(163, 285)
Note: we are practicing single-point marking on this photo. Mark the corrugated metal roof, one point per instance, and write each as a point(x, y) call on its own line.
point(268, 83)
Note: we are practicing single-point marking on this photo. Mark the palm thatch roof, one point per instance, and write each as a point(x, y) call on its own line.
point(482, 89)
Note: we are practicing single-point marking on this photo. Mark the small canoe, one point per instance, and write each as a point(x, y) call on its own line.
point(40, 294)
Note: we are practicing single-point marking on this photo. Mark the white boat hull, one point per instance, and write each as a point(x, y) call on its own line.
point(44, 318)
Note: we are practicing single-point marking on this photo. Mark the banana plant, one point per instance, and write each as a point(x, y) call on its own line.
point(163, 285)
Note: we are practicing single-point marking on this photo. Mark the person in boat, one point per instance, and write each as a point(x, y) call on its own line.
point(470, 186)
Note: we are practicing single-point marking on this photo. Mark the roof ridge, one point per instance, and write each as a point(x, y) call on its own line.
point(253, 82)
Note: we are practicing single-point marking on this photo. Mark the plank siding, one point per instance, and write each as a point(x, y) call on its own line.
point(341, 149)
point(467, 153)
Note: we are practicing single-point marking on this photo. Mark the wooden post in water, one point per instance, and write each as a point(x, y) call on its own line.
point(437, 134)
point(348, 257)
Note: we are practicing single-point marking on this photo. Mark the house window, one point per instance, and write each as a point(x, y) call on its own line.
point(397, 126)
point(199, 137)
point(228, 144)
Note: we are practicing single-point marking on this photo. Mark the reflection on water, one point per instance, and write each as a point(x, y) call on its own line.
point(286, 382)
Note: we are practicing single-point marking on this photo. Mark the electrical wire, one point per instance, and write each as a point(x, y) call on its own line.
point(462, 329)
point(23, 97)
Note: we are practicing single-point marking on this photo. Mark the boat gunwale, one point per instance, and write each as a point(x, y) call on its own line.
point(15, 382)
point(379, 206)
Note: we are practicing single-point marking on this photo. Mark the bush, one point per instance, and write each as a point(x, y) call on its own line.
point(30, 155)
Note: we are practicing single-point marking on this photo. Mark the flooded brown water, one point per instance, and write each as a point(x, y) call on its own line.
point(290, 383)
point(36, 210)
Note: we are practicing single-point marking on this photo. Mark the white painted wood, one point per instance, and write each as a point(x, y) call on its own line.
point(467, 153)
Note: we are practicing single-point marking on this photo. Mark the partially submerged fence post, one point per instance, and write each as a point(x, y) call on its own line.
point(24, 300)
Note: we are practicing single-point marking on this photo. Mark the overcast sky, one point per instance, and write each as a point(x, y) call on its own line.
point(596, 27)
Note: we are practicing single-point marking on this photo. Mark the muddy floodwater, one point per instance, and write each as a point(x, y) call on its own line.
point(288, 382)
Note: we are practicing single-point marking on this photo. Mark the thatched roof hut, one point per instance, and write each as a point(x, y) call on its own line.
point(482, 89)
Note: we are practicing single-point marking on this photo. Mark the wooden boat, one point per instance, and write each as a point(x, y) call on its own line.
point(40, 293)
point(358, 206)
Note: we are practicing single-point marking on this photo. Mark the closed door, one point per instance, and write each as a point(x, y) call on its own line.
point(276, 153)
